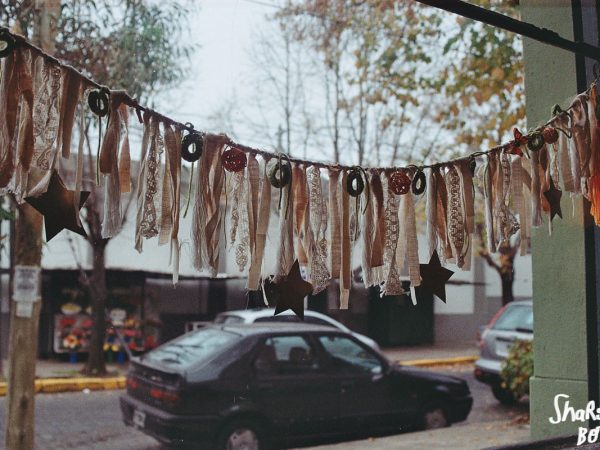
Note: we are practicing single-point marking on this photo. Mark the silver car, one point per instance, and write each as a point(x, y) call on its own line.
point(267, 315)
point(511, 322)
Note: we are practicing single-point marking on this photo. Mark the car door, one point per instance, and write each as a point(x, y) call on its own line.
point(292, 388)
point(367, 394)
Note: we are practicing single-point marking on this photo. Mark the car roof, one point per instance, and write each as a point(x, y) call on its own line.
point(521, 303)
point(247, 329)
point(252, 314)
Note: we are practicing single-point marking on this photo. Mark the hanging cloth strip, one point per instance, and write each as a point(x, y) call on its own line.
point(285, 249)
point(391, 282)
point(570, 164)
point(141, 181)
point(317, 210)
point(580, 128)
point(594, 182)
point(16, 82)
point(468, 203)
point(46, 113)
point(410, 235)
point(441, 214)
point(377, 251)
point(68, 104)
point(300, 207)
point(252, 205)
point(536, 191)
point(168, 186)
point(175, 165)
point(264, 213)
point(431, 209)
point(207, 208)
point(108, 164)
point(336, 223)
point(367, 237)
point(488, 176)
point(346, 248)
point(25, 144)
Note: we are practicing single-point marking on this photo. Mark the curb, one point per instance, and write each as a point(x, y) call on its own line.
point(54, 385)
point(440, 361)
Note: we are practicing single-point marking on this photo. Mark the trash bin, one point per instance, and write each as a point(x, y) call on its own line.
point(394, 320)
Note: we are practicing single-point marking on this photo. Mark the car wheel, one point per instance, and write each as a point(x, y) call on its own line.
point(504, 396)
point(241, 435)
point(434, 416)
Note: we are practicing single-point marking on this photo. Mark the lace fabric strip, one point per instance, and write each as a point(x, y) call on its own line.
point(264, 213)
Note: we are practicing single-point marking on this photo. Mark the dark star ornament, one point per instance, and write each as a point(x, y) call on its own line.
point(433, 279)
point(553, 196)
point(57, 205)
point(288, 292)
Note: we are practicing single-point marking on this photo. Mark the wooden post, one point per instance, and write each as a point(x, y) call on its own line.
point(24, 318)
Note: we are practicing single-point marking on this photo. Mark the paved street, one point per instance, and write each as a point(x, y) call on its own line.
point(92, 421)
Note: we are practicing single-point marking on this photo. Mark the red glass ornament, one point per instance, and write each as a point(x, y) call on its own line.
point(400, 182)
point(550, 135)
point(234, 159)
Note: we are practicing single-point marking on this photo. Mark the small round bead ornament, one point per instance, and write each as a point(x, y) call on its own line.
point(419, 182)
point(195, 141)
point(550, 135)
point(280, 174)
point(234, 160)
point(400, 182)
point(355, 184)
point(536, 141)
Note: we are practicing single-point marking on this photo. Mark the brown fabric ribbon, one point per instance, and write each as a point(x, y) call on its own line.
point(346, 249)
point(379, 225)
point(207, 209)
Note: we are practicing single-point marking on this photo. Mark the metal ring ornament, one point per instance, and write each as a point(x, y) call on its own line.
point(7, 43)
point(419, 182)
point(98, 101)
point(355, 176)
point(280, 174)
point(192, 139)
point(536, 141)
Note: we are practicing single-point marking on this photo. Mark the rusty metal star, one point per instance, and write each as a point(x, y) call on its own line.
point(57, 205)
point(433, 279)
point(553, 196)
point(288, 292)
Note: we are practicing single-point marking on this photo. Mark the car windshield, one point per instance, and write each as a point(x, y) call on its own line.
point(228, 319)
point(192, 348)
point(515, 318)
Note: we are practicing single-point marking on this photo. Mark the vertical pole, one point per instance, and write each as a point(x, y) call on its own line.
point(23, 338)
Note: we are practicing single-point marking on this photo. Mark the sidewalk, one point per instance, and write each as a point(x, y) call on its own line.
point(463, 437)
point(436, 354)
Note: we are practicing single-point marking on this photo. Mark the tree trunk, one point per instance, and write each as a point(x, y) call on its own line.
point(98, 292)
point(507, 287)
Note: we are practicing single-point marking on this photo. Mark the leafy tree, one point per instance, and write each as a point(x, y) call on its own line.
point(134, 45)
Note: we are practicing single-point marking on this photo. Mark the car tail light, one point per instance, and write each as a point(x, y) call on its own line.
point(132, 383)
point(165, 396)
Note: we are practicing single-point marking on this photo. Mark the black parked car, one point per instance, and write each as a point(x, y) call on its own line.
point(250, 386)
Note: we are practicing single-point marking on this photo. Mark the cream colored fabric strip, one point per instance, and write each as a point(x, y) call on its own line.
point(336, 223)
point(285, 250)
point(412, 245)
point(141, 182)
point(536, 208)
point(254, 273)
point(431, 213)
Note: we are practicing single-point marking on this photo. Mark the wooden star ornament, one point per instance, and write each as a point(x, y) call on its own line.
point(553, 196)
point(288, 292)
point(433, 278)
point(57, 205)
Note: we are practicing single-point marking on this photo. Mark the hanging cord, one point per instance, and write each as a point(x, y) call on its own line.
point(189, 194)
